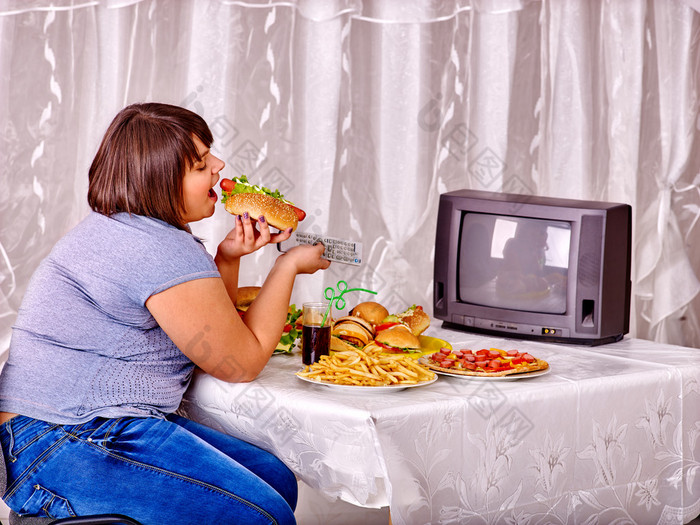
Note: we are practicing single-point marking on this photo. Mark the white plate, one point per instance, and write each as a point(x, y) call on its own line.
point(357, 389)
point(511, 377)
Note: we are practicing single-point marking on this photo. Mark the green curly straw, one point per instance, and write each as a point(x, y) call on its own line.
point(339, 301)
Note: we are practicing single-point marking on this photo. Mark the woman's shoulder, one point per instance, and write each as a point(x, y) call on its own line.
point(134, 237)
point(129, 227)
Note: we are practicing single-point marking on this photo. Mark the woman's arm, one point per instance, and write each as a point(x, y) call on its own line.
point(201, 319)
point(243, 239)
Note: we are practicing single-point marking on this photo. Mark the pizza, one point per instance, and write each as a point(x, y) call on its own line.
point(487, 362)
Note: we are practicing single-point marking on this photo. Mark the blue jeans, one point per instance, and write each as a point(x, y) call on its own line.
point(156, 471)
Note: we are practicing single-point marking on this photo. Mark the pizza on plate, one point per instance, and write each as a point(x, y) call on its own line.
point(487, 362)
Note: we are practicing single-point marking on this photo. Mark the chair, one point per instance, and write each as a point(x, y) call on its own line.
point(97, 519)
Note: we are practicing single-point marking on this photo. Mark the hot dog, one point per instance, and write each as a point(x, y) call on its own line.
point(240, 196)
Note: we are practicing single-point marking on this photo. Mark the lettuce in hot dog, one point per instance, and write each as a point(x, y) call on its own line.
point(240, 196)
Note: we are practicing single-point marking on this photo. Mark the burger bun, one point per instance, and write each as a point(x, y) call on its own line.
point(355, 330)
point(398, 336)
point(340, 345)
point(246, 295)
point(370, 311)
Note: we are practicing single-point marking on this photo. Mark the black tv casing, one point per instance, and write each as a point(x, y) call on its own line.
point(599, 273)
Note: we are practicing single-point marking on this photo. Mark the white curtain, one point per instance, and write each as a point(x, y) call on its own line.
point(362, 113)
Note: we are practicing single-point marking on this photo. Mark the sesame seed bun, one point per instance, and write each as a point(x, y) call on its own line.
point(276, 212)
point(416, 319)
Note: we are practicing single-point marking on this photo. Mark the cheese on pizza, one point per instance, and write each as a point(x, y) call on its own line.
point(491, 362)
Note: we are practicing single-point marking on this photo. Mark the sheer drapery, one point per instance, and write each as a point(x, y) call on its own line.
point(363, 112)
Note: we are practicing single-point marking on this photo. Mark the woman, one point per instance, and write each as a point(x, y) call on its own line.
point(111, 327)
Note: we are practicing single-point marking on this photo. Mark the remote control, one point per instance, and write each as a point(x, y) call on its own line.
point(337, 250)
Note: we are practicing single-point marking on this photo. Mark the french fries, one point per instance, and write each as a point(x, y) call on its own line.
point(369, 367)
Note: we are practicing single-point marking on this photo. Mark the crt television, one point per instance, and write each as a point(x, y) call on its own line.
point(533, 267)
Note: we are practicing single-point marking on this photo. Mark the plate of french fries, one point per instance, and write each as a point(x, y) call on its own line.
point(367, 370)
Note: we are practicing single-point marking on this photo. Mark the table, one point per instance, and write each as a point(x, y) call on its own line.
point(610, 435)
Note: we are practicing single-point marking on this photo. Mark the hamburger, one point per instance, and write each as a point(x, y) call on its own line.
point(246, 295)
point(240, 196)
point(370, 311)
point(350, 333)
point(291, 333)
point(398, 339)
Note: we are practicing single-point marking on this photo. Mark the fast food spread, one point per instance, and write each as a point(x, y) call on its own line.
point(370, 325)
point(240, 196)
point(368, 367)
point(291, 334)
point(486, 362)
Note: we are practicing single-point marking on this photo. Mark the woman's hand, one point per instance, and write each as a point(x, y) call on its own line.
point(247, 236)
point(306, 258)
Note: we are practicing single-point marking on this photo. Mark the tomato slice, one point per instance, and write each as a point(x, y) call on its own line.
point(227, 184)
point(389, 348)
point(384, 326)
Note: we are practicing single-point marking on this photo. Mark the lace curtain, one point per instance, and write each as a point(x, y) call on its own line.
point(363, 112)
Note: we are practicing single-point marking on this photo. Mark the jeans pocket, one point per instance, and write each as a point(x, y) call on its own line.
point(46, 503)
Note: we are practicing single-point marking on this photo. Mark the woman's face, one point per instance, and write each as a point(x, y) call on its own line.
point(198, 185)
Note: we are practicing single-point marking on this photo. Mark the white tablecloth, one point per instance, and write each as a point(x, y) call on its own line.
point(610, 435)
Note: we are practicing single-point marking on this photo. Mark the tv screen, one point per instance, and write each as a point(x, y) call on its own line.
point(532, 266)
point(514, 262)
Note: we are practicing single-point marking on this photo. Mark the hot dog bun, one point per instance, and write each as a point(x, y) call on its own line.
point(416, 319)
point(276, 212)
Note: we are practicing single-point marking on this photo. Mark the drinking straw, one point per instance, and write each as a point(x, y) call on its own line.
point(342, 287)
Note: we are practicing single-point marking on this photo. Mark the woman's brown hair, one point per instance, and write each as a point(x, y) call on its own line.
point(142, 159)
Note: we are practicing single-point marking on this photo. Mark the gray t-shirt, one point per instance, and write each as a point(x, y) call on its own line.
point(84, 344)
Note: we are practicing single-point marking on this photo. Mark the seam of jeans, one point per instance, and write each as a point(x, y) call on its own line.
point(47, 506)
point(11, 444)
point(90, 432)
point(182, 477)
point(111, 427)
point(14, 432)
point(20, 423)
point(22, 478)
